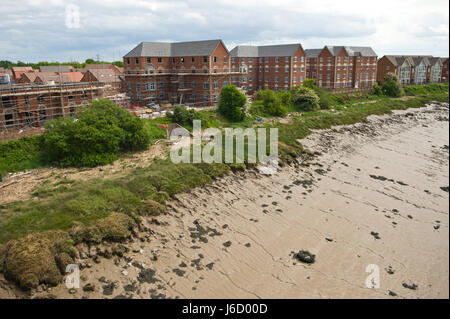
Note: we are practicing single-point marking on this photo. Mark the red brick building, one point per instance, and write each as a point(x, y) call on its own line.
point(190, 73)
point(336, 67)
point(276, 67)
point(26, 106)
point(412, 69)
point(445, 74)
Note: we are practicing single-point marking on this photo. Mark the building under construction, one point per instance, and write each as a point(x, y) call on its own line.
point(28, 106)
point(190, 73)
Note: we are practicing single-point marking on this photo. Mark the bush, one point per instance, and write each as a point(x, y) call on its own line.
point(305, 99)
point(231, 103)
point(391, 86)
point(377, 90)
point(101, 132)
point(183, 116)
point(271, 103)
point(309, 83)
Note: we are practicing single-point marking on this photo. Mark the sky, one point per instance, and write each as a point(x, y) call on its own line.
point(68, 30)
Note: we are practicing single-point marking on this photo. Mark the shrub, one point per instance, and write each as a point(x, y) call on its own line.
point(305, 99)
point(232, 103)
point(183, 116)
point(101, 132)
point(271, 103)
point(391, 86)
point(309, 83)
point(377, 90)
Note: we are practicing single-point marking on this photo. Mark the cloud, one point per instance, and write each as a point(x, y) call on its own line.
point(36, 29)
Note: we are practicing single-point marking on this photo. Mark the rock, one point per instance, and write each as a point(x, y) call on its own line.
point(305, 256)
point(124, 272)
point(89, 287)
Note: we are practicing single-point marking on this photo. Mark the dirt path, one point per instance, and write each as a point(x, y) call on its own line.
point(377, 195)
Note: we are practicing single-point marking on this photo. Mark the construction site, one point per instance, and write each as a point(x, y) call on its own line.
point(24, 109)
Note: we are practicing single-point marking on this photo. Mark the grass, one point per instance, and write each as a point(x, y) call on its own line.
point(65, 202)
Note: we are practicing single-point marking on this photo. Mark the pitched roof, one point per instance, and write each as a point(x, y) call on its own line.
point(250, 51)
point(73, 76)
point(312, 53)
point(352, 51)
point(104, 75)
point(165, 49)
point(55, 68)
point(21, 68)
point(414, 60)
point(46, 77)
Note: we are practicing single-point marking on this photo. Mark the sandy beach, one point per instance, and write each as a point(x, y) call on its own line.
point(374, 193)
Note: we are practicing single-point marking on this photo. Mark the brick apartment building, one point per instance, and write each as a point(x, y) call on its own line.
point(445, 74)
point(182, 72)
point(275, 67)
point(412, 69)
point(335, 67)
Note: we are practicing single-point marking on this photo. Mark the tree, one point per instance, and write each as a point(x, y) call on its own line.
point(118, 63)
point(183, 116)
point(102, 131)
point(391, 86)
point(309, 83)
point(89, 61)
point(271, 103)
point(232, 103)
point(305, 99)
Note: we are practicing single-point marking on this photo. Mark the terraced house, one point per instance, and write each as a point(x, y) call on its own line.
point(276, 67)
point(335, 67)
point(411, 69)
point(191, 73)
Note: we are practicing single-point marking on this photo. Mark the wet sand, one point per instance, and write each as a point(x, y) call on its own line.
point(372, 195)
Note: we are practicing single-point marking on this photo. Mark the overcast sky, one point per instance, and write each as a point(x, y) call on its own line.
point(49, 30)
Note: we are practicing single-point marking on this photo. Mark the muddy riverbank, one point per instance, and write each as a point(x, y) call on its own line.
point(376, 194)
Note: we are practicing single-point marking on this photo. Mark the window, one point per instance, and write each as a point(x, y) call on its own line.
point(276, 79)
point(294, 79)
point(137, 60)
point(339, 59)
point(161, 85)
point(149, 60)
point(295, 68)
point(295, 59)
point(225, 59)
point(233, 60)
point(215, 85)
point(128, 60)
point(215, 59)
point(205, 59)
point(159, 60)
point(192, 59)
point(301, 79)
point(215, 98)
point(321, 59)
point(286, 59)
point(276, 59)
point(193, 84)
point(173, 60)
point(276, 68)
point(286, 79)
point(250, 60)
point(206, 97)
point(146, 86)
point(152, 86)
point(130, 86)
point(138, 87)
point(267, 68)
point(250, 69)
point(205, 85)
point(286, 68)
point(225, 83)
point(303, 59)
point(182, 60)
point(267, 60)
point(329, 59)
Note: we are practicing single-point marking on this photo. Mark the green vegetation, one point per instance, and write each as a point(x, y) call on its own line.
point(391, 86)
point(269, 103)
point(305, 99)
point(66, 212)
point(232, 103)
point(102, 131)
point(77, 65)
point(183, 116)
